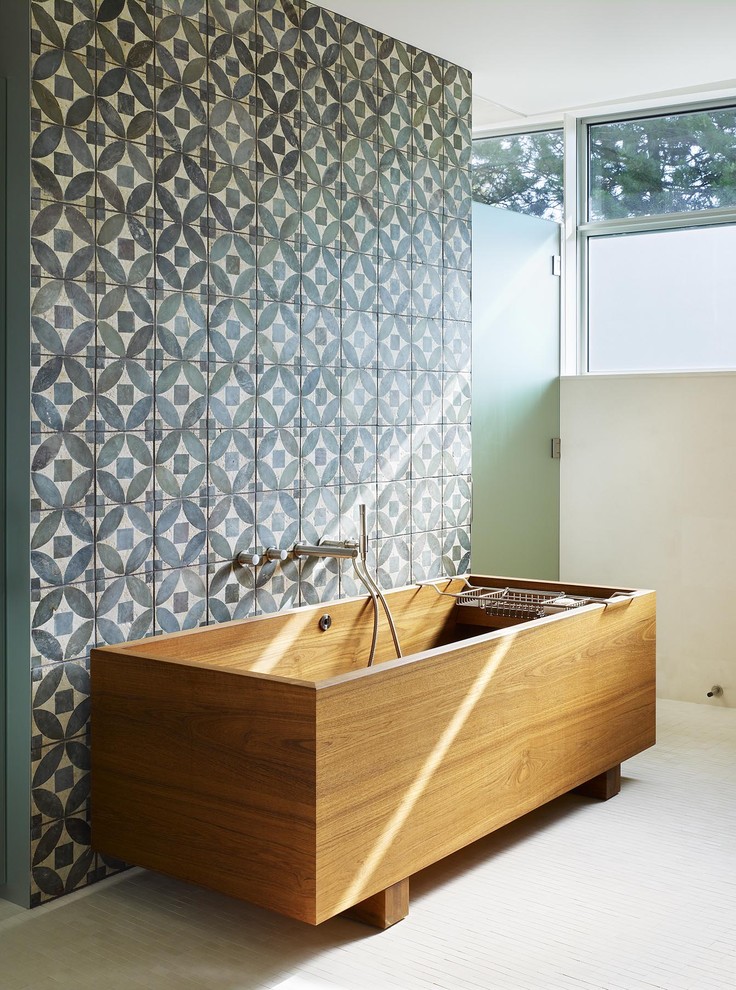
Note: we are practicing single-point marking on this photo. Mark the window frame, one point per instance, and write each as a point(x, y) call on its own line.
point(579, 229)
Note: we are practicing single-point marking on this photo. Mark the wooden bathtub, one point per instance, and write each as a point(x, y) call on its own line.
point(263, 759)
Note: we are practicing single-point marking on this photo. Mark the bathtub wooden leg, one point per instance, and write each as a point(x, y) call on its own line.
point(384, 908)
point(604, 786)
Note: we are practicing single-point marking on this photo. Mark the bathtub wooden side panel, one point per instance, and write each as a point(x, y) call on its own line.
point(430, 756)
point(208, 776)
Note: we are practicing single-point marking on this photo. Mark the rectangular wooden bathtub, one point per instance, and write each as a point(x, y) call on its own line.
point(263, 759)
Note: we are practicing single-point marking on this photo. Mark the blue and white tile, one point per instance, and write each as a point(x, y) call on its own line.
point(456, 448)
point(427, 454)
point(320, 457)
point(359, 282)
point(232, 266)
point(427, 398)
point(181, 396)
point(232, 397)
point(62, 547)
point(427, 242)
point(124, 540)
point(124, 467)
point(393, 559)
point(394, 234)
point(62, 394)
point(394, 397)
point(457, 502)
point(279, 455)
point(62, 623)
point(359, 406)
point(232, 592)
point(181, 599)
point(180, 534)
point(124, 609)
point(456, 551)
point(60, 703)
point(394, 287)
point(426, 344)
point(62, 469)
point(426, 290)
point(278, 398)
point(457, 346)
point(320, 336)
point(232, 461)
point(427, 504)
point(232, 331)
point(231, 526)
point(427, 561)
point(359, 340)
point(456, 397)
point(393, 453)
point(358, 455)
point(394, 508)
point(181, 465)
point(321, 275)
point(394, 342)
point(125, 395)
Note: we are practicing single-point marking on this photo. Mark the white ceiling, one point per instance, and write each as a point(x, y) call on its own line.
point(534, 59)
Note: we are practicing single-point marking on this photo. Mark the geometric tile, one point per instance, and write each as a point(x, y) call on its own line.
point(394, 453)
point(181, 395)
point(125, 605)
point(62, 471)
point(393, 557)
point(60, 702)
point(394, 397)
point(181, 465)
point(456, 551)
point(124, 465)
point(320, 336)
point(456, 397)
point(231, 526)
point(250, 315)
point(457, 343)
point(181, 599)
point(426, 398)
point(426, 502)
point(427, 452)
point(456, 502)
point(62, 394)
point(62, 859)
point(394, 342)
point(359, 398)
point(427, 351)
point(394, 501)
point(231, 592)
point(62, 624)
point(60, 781)
point(62, 546)
point(456, 448)
point(278, 334)
point(231, 462)
point(180, 534)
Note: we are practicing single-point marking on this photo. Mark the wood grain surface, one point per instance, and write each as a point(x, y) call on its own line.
point(259, 759)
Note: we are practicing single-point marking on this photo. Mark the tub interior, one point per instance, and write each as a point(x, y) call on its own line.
point(292, 645)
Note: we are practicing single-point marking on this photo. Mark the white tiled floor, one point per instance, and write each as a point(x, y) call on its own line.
point(633, 894)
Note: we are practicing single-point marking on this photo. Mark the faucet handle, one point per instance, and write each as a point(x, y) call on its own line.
point(274, 553)
point(248, 559)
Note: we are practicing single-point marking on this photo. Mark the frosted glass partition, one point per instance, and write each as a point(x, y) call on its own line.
point(662, 300)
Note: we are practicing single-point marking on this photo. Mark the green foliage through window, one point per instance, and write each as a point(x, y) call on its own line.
point(668, 164)
point(520, 172)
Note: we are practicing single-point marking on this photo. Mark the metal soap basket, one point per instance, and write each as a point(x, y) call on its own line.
point(521, 603)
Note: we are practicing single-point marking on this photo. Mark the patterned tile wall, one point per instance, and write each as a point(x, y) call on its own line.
point(251, 306)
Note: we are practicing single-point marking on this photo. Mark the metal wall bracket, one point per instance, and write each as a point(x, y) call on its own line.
point(555, 446)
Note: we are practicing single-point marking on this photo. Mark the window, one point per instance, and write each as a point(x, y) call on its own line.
point(520, 172)
point(657, 245)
